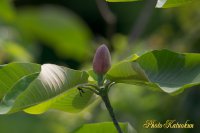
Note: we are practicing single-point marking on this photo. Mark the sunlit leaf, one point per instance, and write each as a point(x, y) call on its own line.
point(106, 127)
point(52, 88)
point(171, 3)
point(15, 52)
point(171, 72)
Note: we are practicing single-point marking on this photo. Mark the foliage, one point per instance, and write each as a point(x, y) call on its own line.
point(52, 86)
point(171, 72)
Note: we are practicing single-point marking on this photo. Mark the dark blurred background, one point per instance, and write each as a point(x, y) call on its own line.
point(67, 32)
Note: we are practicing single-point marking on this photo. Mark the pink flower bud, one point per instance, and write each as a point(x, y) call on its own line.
point(102, 60)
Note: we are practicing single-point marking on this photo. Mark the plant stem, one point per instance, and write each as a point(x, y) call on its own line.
point(106, 100)
point(100, 80)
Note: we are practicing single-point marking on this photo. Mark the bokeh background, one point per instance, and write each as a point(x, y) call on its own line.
point(67, 32)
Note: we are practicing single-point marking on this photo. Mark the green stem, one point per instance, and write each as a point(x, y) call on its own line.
point(100, 80)
point(106, 100)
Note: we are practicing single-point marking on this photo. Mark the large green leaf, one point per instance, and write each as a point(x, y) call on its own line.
point(171, 3)
point(106, 127)
point(169, 71)
point(60, 29)
point(52, 88)
point(70, 101)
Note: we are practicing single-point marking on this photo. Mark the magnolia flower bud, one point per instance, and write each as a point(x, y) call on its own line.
point(102, 60)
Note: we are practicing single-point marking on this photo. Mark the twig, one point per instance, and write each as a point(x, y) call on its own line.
point(108, 17)
point(142, 20)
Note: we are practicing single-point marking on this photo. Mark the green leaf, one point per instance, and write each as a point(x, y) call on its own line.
point(169, 71)
point(70, 101)
point(171, 3)
point(51, 89)
point(60, 29)
point(11, 73)
point(14, 51)
point(121, 0)
point(106, 127)
point(93, 75)
point(127, 71)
